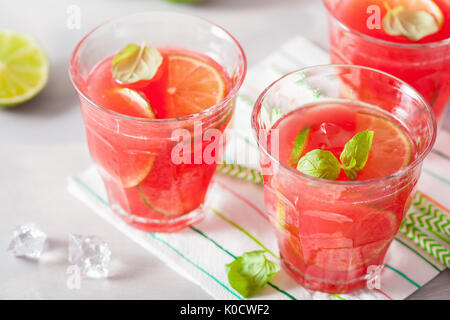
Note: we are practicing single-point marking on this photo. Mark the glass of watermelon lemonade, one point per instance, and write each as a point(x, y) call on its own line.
point(141, 80)
point(358, 36)
point(334, 231)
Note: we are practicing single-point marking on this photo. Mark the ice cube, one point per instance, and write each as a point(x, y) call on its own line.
point(28, 241)
point(91, 254)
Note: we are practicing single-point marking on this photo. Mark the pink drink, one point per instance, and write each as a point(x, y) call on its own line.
point(155, 179)
point(333, 233)
point(329, 242)
point(424, 64)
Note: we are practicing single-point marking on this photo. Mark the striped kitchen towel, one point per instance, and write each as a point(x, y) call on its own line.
point(236, 224)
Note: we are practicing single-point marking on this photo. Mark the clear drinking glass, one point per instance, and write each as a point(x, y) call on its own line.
point(425, 66)
point(364, 215)
point(172, 194)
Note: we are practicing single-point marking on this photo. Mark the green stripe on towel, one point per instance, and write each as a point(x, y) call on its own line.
point(233, 256)
point(194, 264)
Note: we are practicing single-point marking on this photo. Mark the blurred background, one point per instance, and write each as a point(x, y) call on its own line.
point(43, 142)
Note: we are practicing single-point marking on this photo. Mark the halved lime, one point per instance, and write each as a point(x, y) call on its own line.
point(24, 68)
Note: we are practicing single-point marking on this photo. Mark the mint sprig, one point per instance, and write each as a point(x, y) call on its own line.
point(415, 25)
point(355, 154)
point(323, 164)
point(249, 273)
point(134, 63)
point(320, 164)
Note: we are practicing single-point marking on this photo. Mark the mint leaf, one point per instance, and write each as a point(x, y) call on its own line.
point(320, 164)
point(356, 152)
point(134, 63)
point(299, 144)
point(249, 273)
point(415, 25)
point(129, 50)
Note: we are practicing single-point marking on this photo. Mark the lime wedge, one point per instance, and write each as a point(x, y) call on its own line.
point(24, 68)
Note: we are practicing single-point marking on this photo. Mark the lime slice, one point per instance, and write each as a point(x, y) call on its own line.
point(299, 144)
point(24, 68)
point(151, 205)
point(391, 148)
point(173, 190)
point(125, 166)
point(194, 86)
point(129, 102)
point(133, 174)
point(281, 216)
